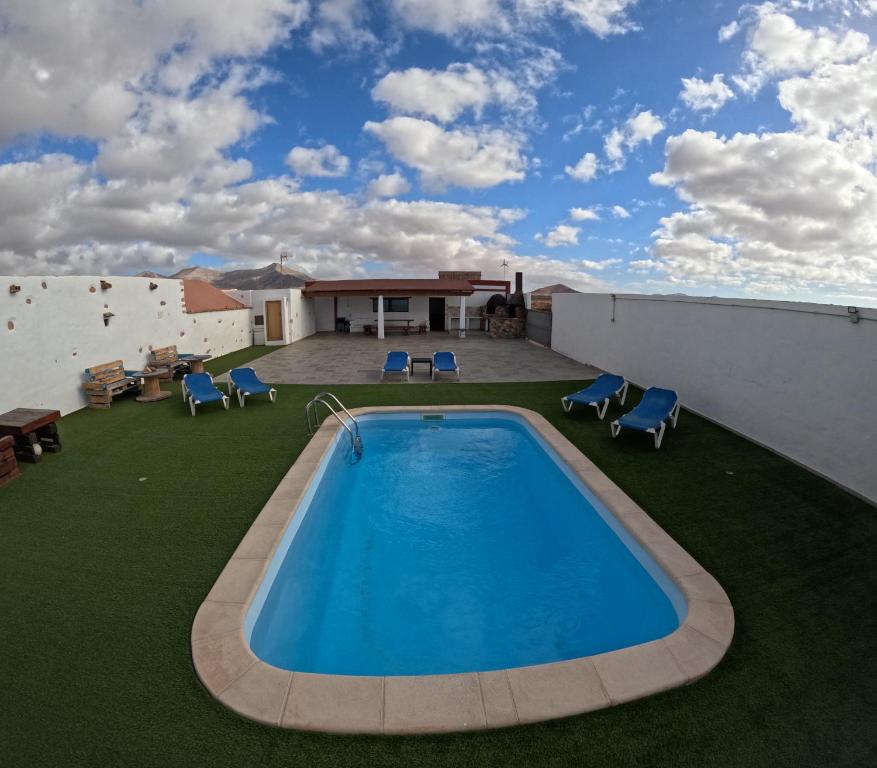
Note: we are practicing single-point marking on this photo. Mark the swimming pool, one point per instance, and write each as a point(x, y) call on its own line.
point(472, 570)
point(457, 543)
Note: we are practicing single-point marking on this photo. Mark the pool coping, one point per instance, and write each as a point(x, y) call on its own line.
point(457, 702)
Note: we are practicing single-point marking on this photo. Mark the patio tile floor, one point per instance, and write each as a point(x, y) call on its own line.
point(329, 358)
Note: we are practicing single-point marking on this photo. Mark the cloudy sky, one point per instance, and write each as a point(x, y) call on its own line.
point(657, 146)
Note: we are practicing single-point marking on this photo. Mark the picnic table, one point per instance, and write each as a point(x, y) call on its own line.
point(33, 430)
point(393, 324)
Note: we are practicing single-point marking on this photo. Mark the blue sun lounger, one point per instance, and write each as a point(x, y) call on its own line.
point(200, 389)
point(397, 362)
point(444, 362)
point(598, 394)
point(245, 381)
point(651, 415)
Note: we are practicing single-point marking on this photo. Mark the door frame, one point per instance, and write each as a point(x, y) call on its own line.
point(282, 338)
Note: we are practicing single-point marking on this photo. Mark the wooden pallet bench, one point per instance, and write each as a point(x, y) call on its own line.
point(106, 381)
point(8, 465)
point(167, 357)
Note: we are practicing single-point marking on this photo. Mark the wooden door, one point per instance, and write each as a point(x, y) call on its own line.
point(273, 321)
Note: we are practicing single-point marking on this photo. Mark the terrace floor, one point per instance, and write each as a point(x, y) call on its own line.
point(108, 548)
point(353, 358)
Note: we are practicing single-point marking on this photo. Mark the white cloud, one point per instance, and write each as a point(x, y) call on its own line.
point(728, 31)
point(444, 94)
point(388, 185)
point(600, 265)
point(340, 22)
point(620, 212)
point(466, 157)
point(325, 161)
point(561, 235)
point(503, 17)
point(583, 214)
point(777, 46)
point(705, 96)
point(59, 218)
point(641, 127)
point(779, 211)
point(72, 72)
point(839, 101)
point(585, 169)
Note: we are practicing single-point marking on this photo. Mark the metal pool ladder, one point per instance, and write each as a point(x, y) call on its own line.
point(314, 423)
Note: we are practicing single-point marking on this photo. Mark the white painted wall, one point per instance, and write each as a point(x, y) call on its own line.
point(299, 313)
point(797, 378)
point(57, 331)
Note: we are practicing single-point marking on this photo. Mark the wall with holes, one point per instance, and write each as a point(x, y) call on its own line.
point(797, 378)
point(53, 328)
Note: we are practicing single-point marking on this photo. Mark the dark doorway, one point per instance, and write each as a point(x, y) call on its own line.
point(436, 313)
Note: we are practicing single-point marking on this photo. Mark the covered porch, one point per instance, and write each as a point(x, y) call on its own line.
point(406, 307)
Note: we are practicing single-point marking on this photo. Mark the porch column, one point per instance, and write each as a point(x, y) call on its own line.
point(462, 317)
point(380, 317)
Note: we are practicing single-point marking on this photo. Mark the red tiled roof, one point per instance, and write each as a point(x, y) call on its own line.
point(203, 297)
point(433, 287)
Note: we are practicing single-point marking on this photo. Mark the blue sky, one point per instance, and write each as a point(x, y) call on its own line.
point(667, 146)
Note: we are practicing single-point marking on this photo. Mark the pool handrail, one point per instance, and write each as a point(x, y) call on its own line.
point(314, 424)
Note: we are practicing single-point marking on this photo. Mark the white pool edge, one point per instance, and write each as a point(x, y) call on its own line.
point(231, 672)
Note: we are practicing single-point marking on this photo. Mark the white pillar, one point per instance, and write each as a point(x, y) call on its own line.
point(380, 317)
point(462, 317)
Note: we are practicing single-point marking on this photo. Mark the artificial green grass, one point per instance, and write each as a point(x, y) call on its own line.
point(108, 548)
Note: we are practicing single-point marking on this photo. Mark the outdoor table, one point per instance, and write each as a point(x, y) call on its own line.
point(196, 362)
point(33, 430)
point(424, 360)
point(151, 390)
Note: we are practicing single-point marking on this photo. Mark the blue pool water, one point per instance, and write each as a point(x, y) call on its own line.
point(456, 546)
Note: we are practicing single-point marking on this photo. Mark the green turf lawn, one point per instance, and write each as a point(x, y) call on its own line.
point(108, 548)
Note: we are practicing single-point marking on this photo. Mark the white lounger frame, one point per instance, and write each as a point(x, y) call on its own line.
point(615, 427)
point(406, 373)
point(456, 370)
point(602, 405)
point(242, 395)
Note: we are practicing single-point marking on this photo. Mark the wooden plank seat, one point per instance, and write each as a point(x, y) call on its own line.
point(107, 380)
point(8, 464)
point(167, 357)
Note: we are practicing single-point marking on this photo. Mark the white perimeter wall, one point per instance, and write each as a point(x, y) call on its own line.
point(797, 378)
point(57, 331)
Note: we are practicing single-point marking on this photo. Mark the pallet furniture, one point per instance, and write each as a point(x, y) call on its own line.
point(33, 432)
point(106, 381)
point(8, 465)
point(393, 325)
point(167, 357)
point(151, 391)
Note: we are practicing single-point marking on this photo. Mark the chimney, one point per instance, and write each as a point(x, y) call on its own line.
point(516, 300)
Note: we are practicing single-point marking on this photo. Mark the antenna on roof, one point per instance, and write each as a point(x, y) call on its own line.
point(284, 256)
point(505, 268)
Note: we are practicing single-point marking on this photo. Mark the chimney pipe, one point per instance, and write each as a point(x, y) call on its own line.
point(519, 282)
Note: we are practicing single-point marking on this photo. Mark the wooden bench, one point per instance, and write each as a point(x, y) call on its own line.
point(105, 382)
point(167, 357)
point(8, 465)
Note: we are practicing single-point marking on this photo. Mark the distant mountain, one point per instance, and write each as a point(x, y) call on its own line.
point(147, 273)
point(556, 288)
point(272, 276)
point(199, 273)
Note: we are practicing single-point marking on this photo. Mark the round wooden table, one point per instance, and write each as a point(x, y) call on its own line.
point(151, 390)
point(196, 362)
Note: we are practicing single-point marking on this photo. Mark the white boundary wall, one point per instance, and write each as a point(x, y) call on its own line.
point(800, 379)
point(57, 331)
